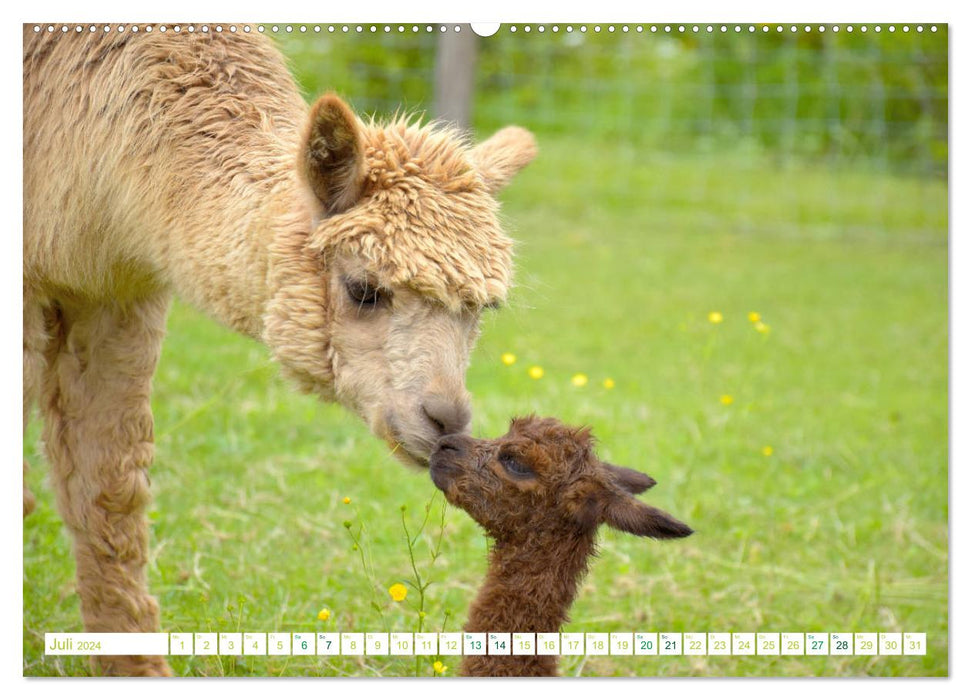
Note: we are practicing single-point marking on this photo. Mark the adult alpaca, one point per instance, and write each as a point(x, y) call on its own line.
point(159, 163)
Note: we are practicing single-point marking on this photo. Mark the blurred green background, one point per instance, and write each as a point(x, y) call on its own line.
point(687, 184)
point(831, 97)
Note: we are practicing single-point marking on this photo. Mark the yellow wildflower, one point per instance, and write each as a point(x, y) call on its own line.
point(508, 359)
point(727, 399)
point(762, 327)
point(323, 615)
point(609, 383)
point(579, 379)
point(398, 592)
point(716, 317)
point(536, 372)
point(767, 450)
point(346, 500)
point(754, 316)
point(439, 667)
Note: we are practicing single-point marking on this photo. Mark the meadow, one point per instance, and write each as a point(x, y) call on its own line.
point(808, 448)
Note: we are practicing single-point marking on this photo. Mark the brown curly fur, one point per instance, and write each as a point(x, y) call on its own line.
point(541, 493)
point(162, 163)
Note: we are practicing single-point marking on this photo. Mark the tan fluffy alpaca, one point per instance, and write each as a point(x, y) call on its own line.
point(163, 163)
point(541, 494)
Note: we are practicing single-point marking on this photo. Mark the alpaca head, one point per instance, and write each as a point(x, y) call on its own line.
point(407, 251)
point(543, 478)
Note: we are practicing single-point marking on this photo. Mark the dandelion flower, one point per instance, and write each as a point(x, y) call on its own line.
point(609, 383)
point(346, 500)
point(762, 327)
point(716, 317)
point(439, 667)
point(579, 379)
point(767, 450)
point(536, 372)
point(727, 399)
point(508, 359)
point(754, 316)
point(323, 615)
point(398, 592)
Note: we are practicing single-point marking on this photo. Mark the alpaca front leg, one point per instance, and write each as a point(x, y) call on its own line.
point(35, 340)
point(98, 434)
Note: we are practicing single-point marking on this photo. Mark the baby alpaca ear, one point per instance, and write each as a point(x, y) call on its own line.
point(630, 480)
point(332, 155)
point(630, 515)
point(500, 157)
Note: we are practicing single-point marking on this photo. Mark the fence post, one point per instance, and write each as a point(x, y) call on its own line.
point(455, 75)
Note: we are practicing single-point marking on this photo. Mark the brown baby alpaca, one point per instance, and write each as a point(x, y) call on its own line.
point(541, 493)
point(168, 163)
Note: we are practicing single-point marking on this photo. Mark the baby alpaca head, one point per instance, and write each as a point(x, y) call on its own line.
point(543, 478)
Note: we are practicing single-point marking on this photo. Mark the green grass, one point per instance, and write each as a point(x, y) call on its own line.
point(843, 528)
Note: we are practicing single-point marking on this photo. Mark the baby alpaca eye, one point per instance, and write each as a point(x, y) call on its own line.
point(362, 292)
point(514, 467)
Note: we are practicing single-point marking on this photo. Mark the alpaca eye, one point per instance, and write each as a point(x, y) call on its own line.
point(362, 292)
point(514, 467)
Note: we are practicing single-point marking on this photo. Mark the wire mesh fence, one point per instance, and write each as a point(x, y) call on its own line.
point(714, 117)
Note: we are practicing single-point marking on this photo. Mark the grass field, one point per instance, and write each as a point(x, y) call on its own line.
point(843, 527)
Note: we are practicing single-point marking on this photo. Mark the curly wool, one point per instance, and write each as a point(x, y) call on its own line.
point(430, 222)
point(541, 493)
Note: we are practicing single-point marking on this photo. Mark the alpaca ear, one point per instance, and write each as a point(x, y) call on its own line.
point(628, 514)
point(500, 157)
point(332, 155)
point(631, 481)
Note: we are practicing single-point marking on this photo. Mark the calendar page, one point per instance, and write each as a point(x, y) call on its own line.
point(288, 285)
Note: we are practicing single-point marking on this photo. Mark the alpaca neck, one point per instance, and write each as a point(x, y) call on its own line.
point(529, 587)
point(226, 271)
point(233, 200)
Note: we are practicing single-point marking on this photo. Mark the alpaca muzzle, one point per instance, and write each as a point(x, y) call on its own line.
point(449, 459)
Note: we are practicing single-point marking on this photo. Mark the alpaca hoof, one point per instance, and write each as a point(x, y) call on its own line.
point(131, 666)
point(29, 502)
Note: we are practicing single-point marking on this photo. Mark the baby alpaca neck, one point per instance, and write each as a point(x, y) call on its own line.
point(529, 587)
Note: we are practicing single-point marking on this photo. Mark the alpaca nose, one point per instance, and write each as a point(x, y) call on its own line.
point(447, 415)
point(453, 445)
